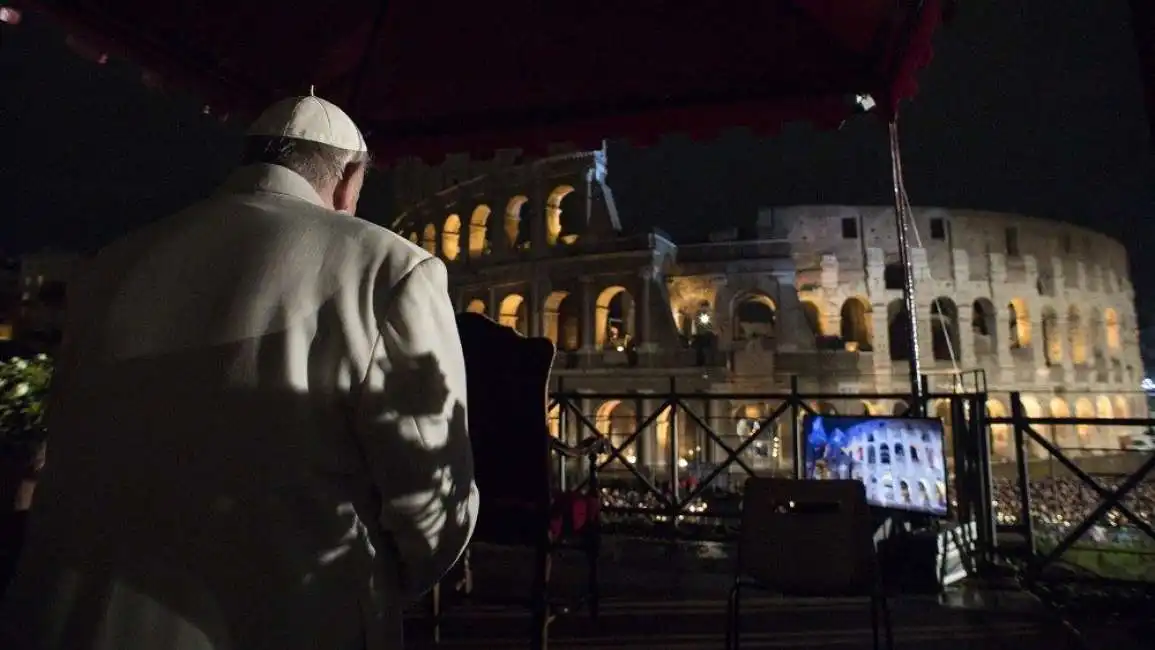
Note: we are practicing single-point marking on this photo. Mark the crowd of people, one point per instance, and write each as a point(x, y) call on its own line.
point(1061, 502)
point(1057, 504)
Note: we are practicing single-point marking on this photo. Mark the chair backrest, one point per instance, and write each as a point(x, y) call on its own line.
point(508, 382)
point(807, 537)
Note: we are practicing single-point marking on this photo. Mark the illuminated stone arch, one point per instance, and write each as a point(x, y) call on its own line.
point(553, 420)
point(812, 314)
point(1096, 339)
point(1020, 323)
point(944, 334)
point(1052, 338)
point(1033, 410)
point(602, 416)
point(1111, 330)
point(1122, 410)
point(476, 306)
point(662, 437)
point(414, 237)
point(824, 408)
point(617, 420)
point(856, 325)
point(767, 450)
point(512, 312)
point(553, 216)
point(693, 321)
point(1062, 435)
point(512, 221)
point(429, 239)
point(984, 327)
point(753, 315)
point(1108, 436)
point(940, 409)
point(1103, 408)
point(551, 307)
point(898, 331)
point(1087, 434)
point(1116, 370)
point(683, 322)
point(1001, 446)
point(451, 237)
point(613, 310)
point(479, 231)
point(562, 319)
point(1076, 336)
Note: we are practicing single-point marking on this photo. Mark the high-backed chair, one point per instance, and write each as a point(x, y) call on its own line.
point(807, 538)
point(508, 382)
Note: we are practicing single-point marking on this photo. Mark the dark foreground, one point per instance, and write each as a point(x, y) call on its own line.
point(674, 597)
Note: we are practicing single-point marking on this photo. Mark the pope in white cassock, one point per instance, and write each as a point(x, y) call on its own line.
point(258, 433)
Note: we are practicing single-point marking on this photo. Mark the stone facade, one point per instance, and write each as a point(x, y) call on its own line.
point(803, 294)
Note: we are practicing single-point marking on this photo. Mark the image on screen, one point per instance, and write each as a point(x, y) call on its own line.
point(900, 461)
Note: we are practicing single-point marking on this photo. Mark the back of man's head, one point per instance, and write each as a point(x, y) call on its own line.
point(315, 139)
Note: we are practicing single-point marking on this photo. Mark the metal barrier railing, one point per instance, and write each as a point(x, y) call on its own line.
point(674, 498)
point(1024, 432)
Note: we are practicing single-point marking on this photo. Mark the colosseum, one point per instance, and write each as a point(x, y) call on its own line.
point(808, 296)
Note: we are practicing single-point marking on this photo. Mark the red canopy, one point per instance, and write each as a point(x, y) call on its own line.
point(426, 78)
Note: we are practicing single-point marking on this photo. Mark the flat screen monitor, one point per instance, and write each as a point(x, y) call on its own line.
point(900, 461)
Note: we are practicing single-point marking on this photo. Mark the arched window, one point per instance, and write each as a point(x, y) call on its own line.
point(1020, 323)
point(614, 319)
point(898, 331)
point(855, 324)
point(754, 317)
point(451, 237)
point(479, 231)
point(555, 230)
point(429, 239)
point(513, 230)
point(1076, 336)
point(1052, 340)
point(1111, 327)
point(513, 313)
point(944, 330)
point(562, 319)
point(984, 327)
point(813, 316)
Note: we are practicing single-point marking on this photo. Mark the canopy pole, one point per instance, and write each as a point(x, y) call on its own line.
point(902, 227)
point(364, 66)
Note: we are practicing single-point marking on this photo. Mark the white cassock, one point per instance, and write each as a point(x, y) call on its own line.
point(258, 436)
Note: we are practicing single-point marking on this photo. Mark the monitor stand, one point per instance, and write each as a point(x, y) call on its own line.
point(917, 554)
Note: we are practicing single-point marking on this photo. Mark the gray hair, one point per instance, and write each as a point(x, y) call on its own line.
point(320, 164)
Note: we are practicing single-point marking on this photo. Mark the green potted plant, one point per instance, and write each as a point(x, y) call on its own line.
point(23, 391)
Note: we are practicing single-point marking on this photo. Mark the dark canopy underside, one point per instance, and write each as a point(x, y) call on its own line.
point(426, 78)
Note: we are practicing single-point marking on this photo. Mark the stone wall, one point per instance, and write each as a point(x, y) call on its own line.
point(1005, 302)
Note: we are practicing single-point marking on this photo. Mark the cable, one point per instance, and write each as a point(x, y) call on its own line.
point(905, 205)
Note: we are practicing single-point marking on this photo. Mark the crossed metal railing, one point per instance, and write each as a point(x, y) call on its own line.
point(1024, 431)
point(971, 476)
point(674, 498)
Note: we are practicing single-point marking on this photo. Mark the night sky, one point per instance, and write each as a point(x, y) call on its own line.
point(1033, 106)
